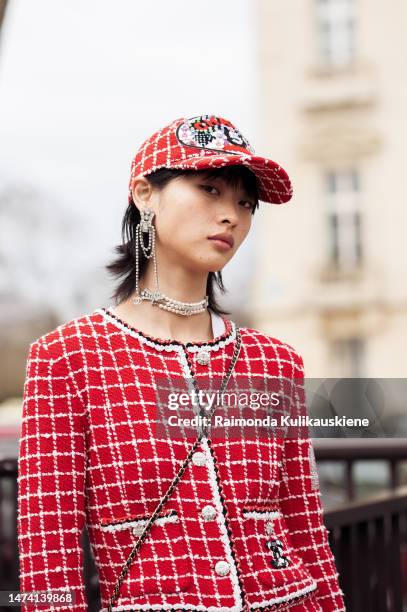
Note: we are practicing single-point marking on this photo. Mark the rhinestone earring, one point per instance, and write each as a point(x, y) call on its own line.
point(146, 226)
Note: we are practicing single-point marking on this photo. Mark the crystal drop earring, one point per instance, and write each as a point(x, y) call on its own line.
point(146, 226)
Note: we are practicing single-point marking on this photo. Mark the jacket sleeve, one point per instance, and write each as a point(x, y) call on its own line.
point(300, 503)
point(51, 481)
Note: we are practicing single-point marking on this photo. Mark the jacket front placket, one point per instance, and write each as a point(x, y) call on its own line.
point(196, 364)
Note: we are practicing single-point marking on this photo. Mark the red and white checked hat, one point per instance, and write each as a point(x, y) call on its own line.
point(206, 142)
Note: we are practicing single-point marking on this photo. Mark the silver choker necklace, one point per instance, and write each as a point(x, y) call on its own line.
point(166, 303)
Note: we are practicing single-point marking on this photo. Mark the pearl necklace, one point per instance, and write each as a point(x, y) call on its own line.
point(166, 303)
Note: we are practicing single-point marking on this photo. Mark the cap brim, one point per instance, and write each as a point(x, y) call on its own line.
point(274, 184)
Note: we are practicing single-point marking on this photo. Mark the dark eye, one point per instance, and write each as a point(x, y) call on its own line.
point(247, 204)
point(209, 189)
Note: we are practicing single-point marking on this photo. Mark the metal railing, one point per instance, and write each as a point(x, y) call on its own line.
point(369, 542)
point(8, 525)
point(349, 451)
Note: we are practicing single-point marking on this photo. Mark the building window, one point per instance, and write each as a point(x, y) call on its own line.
point(344, 219)
point(348, 357)
point(336, 31)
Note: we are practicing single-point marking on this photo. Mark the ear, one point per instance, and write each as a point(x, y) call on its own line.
point(141, 191)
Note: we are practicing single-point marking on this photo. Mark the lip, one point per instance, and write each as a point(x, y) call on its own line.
point(225, 239)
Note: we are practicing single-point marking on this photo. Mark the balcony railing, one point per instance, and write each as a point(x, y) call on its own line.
point(8, 525)
point(368, 537)
point(349, 451)
point(369, 542)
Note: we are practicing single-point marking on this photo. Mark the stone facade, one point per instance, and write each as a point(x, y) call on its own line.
point(329, 271)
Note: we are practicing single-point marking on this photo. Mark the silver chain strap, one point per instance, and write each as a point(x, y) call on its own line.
point(176, 479)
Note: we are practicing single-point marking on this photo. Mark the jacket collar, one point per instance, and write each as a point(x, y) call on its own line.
point(168, 344)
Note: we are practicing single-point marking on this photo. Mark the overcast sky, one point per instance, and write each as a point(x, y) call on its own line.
point(84, 82)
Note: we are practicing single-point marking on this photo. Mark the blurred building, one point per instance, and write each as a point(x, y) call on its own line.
point(329, 272)
point(2, 10)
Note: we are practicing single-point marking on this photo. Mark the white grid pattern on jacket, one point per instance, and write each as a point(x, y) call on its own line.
point(82, 461)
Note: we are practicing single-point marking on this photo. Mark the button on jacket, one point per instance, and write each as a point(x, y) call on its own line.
point(243, 529)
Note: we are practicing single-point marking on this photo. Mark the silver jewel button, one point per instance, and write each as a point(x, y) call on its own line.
point(208, 513)
point(203, 357)
point(269, 527)
point(222, 568)
point(138, 529)
point(199, 458)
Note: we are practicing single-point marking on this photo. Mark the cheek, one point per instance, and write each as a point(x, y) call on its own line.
point(182, 219)
point(244, 227)
point(179, 227)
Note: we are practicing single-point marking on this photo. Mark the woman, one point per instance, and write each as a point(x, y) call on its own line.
point(240, 527)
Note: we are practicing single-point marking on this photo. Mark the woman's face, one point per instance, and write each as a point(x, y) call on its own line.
point(190, 211)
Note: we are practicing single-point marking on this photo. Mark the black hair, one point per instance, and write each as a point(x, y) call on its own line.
point(124, 266)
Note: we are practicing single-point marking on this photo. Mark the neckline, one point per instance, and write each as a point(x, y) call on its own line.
point(168, 342)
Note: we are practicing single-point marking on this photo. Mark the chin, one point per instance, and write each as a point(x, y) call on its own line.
point(210, 262)
point(217, 263)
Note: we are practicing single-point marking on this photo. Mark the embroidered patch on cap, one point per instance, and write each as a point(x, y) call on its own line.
point(211, 132)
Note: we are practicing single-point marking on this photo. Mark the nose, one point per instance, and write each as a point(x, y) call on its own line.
point(227, 212)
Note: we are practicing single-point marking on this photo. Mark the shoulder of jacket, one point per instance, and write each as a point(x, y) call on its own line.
point(279, 347)
point(62, 338)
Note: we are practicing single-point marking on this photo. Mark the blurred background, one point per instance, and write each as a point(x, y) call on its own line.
point(316, 85)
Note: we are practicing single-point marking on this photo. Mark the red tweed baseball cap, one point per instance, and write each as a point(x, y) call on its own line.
point(207, 142)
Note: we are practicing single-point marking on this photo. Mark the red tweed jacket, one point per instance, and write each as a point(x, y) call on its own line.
point(242, 531)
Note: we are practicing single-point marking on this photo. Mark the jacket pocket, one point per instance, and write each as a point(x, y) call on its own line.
point(273, 560)
point(162, 564)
